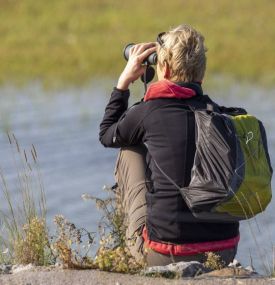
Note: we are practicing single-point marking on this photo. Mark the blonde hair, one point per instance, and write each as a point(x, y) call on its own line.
point(184, 51)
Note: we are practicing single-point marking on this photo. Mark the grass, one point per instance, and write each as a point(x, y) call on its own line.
point(72, 245)
point(68, 244)
point(113, 253)
point(69, 42)
point(24, 235)
point(213, 261)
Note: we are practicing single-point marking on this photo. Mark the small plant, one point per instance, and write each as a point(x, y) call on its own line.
point(69, 247)
point(24, 235)
point(33, 245)
point(213, 261)
point(115, 259)
point(112, 254)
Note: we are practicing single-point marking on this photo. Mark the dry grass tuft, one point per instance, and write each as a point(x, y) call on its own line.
point(113, 253)
point(213, 261)
point(69, 247)
point(33, 246)
point(24, 235)
point(115, 259)
point(72, 245)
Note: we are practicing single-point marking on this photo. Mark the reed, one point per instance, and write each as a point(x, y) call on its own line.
point(24, 234)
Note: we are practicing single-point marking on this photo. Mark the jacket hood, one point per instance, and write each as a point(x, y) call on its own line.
point(168, 89)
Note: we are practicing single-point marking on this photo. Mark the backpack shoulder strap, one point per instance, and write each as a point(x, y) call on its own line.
point(202, 103)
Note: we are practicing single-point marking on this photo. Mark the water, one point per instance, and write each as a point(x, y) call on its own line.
point(63, 126)
point(64, 129)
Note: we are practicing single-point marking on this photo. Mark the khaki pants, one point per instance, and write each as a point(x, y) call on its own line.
point(133, 181)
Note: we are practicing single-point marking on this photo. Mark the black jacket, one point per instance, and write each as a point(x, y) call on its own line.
point(167, 126)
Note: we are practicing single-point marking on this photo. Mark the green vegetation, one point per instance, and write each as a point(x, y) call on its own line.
point(24, 235)
point(213, 261)
point(70, 42)
point(71, 246)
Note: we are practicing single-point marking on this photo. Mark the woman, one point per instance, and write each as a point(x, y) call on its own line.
point(158, 219)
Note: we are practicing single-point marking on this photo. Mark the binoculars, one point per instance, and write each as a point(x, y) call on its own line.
point(150, 60)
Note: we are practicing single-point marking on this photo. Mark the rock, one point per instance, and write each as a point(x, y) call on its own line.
point(235, 263)
point(250, 268)
point(19, 267)
point(5, 268)
point(198, 270)
point(176, 270)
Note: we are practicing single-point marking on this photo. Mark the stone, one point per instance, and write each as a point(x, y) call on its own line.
point(235, 263)
point(198, 270)
point(19, 267)
point(5, 268)
point(177, 270)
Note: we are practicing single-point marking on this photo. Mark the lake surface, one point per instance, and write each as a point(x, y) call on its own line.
point(63, 126)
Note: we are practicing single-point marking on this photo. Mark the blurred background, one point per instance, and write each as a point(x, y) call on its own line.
point(59, 60)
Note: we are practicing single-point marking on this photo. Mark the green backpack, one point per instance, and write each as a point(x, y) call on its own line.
point(231, 175)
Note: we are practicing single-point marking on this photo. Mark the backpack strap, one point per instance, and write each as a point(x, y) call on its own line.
point(202, 103)
point(207, 104)
point(209, 107)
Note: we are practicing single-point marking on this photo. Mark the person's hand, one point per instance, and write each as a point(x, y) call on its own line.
point(134, 67)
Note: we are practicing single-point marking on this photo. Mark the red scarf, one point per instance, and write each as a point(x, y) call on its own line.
point(168, 89)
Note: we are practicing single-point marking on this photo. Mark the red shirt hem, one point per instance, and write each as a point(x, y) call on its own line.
point(189, 248)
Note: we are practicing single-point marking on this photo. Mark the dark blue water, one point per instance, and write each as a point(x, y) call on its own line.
point(63, 126)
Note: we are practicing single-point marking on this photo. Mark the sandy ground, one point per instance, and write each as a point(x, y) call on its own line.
point(94, 277)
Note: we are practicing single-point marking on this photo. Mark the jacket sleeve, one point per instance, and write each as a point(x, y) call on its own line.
point(121, 126)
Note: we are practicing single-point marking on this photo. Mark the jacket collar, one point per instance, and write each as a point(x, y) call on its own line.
point(168, 89)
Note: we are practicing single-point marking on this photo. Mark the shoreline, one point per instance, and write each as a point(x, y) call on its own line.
point(31, 275)
point(51, 275)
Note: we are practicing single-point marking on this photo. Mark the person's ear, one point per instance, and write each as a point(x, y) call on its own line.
point(166, 70)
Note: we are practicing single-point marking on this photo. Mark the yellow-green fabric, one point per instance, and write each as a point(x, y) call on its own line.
point(255, 192)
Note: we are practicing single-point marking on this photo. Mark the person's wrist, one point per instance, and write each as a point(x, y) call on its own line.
point(122, 86)
point(123, 83)
point(123, 91)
